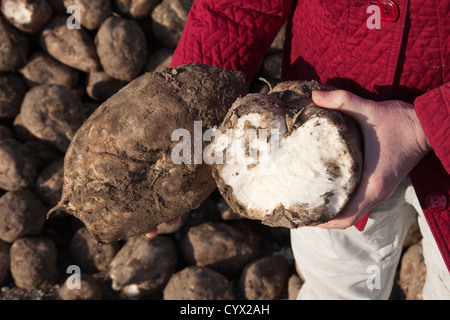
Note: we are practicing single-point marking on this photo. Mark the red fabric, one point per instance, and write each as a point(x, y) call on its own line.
point(329, 41)
point(231, 34)
point(361, 223)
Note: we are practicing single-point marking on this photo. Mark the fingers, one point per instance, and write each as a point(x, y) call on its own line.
point(174, 221)
point(371, 191)
point(364, 197)
point(361, 200)
point(154, 232)
point(341, 100)
point(150, 234)
point(358, 205)
point(336, 99)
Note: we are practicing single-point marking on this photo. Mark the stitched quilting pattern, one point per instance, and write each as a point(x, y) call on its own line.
point(343, 50)
point(231, 34)
point(426, 55)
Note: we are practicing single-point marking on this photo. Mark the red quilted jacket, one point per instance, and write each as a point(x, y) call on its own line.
point(406, 58)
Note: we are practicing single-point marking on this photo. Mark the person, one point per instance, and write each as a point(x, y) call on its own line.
point(390, 63)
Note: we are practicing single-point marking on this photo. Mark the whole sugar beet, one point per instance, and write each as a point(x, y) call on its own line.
point(22, 214)
point(17, 165)
point(168, 20)
point(34, 263)
point(92, 12)
point(119, 177)
point(27, 15)
point(72, 47)
point(121, 48)
point(52, 113)
point(136, 9)
point(12, 91)
point(13, 47)
point(43, 69)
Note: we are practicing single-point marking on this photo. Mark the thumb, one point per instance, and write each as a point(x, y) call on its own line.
point(341, 100)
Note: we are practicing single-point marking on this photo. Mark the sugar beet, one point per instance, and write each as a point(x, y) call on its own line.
point(119, 177)
point(298, 164)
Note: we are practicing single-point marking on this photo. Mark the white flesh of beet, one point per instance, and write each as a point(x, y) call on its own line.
point(298, 175)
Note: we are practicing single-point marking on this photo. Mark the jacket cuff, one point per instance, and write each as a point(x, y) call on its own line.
point(433, 109)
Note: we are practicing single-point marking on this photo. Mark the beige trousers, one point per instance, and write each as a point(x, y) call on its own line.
point(349, 264)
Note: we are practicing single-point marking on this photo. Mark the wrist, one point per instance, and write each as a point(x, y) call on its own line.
point(421, 137)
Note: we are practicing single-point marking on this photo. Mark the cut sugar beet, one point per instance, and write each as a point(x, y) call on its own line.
point(287, 162)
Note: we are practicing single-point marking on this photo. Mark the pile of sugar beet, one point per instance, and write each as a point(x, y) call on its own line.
point(55, 81)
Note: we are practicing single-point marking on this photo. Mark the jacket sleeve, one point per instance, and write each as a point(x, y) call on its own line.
point(433, 109)
point(231, 34)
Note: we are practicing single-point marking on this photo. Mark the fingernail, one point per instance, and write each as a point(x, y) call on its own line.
point(319, 96)
point(151, 234)
point(174, 221)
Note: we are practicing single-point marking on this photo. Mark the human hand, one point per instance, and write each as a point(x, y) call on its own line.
point(394, 142)
point(152, 233)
